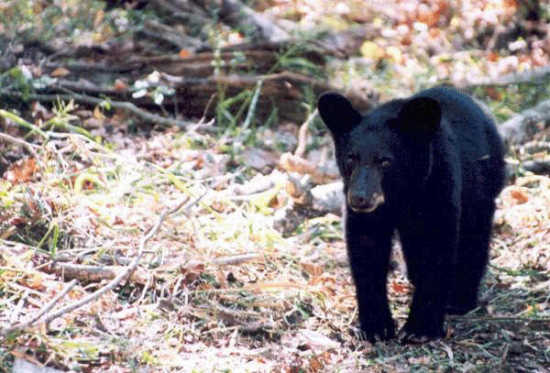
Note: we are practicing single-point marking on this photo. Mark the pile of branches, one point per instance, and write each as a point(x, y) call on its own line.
point(174, 44)
point(174, 49)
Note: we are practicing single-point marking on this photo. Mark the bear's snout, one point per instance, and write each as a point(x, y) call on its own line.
point(361, 202)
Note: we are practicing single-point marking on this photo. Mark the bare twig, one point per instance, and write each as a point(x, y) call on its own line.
point(19, 305)
point(500, 319)
point(123, 275)
point(319, 174)
point(236, 259)
point(91, 273)
point(302, 135)
point(45, 309)
point(26, 145)
point(127, 106)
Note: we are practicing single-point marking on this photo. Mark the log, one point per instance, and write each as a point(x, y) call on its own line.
point(537, 166)
point(523, 126)
point(283, 91)
point(236, 14)
point(534, 76)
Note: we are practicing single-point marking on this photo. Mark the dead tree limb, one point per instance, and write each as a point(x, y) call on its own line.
point(236, 259)
point(171, 36)
point(92, 273)
point(522, 126)
point(121, 276)
point(236, 14)
point(303, 134)
point(44, 310)
point(30, 147)
point(537, 166)
point(319, 174)
point(127, 106)
point(534, 76)
point(280, 91)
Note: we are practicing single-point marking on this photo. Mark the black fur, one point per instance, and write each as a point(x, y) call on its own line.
point(428, 167)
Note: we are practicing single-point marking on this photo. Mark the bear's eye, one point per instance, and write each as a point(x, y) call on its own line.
point(385, 162)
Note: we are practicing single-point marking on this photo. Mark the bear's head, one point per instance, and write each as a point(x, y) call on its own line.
point(385, 154)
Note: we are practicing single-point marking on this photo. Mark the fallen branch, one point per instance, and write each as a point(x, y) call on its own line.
point(45, 309)
point(539, 167)
point(534, 76)
point(325, 198)
point(533, 147)
point(306, 201)
point(523, 125)
point(298, 191)
point(302, 135)
point(280, 90)
point(235, 259)
point(239, 15)
point(170, 35)
point(14, 140)
point(329, 197)
point(183, 12)
point(127, 106)
point(90, 273)
point(100, 67)
point(500, 319)
point(121, 276)
point(319, 175)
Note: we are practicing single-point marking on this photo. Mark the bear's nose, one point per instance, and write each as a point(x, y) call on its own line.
point(360, 202)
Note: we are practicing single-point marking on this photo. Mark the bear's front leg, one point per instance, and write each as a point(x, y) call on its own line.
point(369, 246)
point(429, 255)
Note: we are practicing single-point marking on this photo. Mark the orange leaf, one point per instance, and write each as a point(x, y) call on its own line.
point(184, 53)
point(492, 56)
point(120, 85)
point(312, 269)
point(21, 171)
point(519, 195)
point(315, 365)
point(60, 72)
point(35, 281)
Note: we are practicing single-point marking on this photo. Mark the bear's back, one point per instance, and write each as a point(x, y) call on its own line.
point(475, 136)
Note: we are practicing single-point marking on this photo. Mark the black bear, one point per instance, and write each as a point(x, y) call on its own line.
point(428, 167)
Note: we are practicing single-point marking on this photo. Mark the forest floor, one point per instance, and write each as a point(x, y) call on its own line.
point(230, 270)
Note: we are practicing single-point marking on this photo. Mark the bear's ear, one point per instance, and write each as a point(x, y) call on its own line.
point(420, 116)
point(338, 113)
